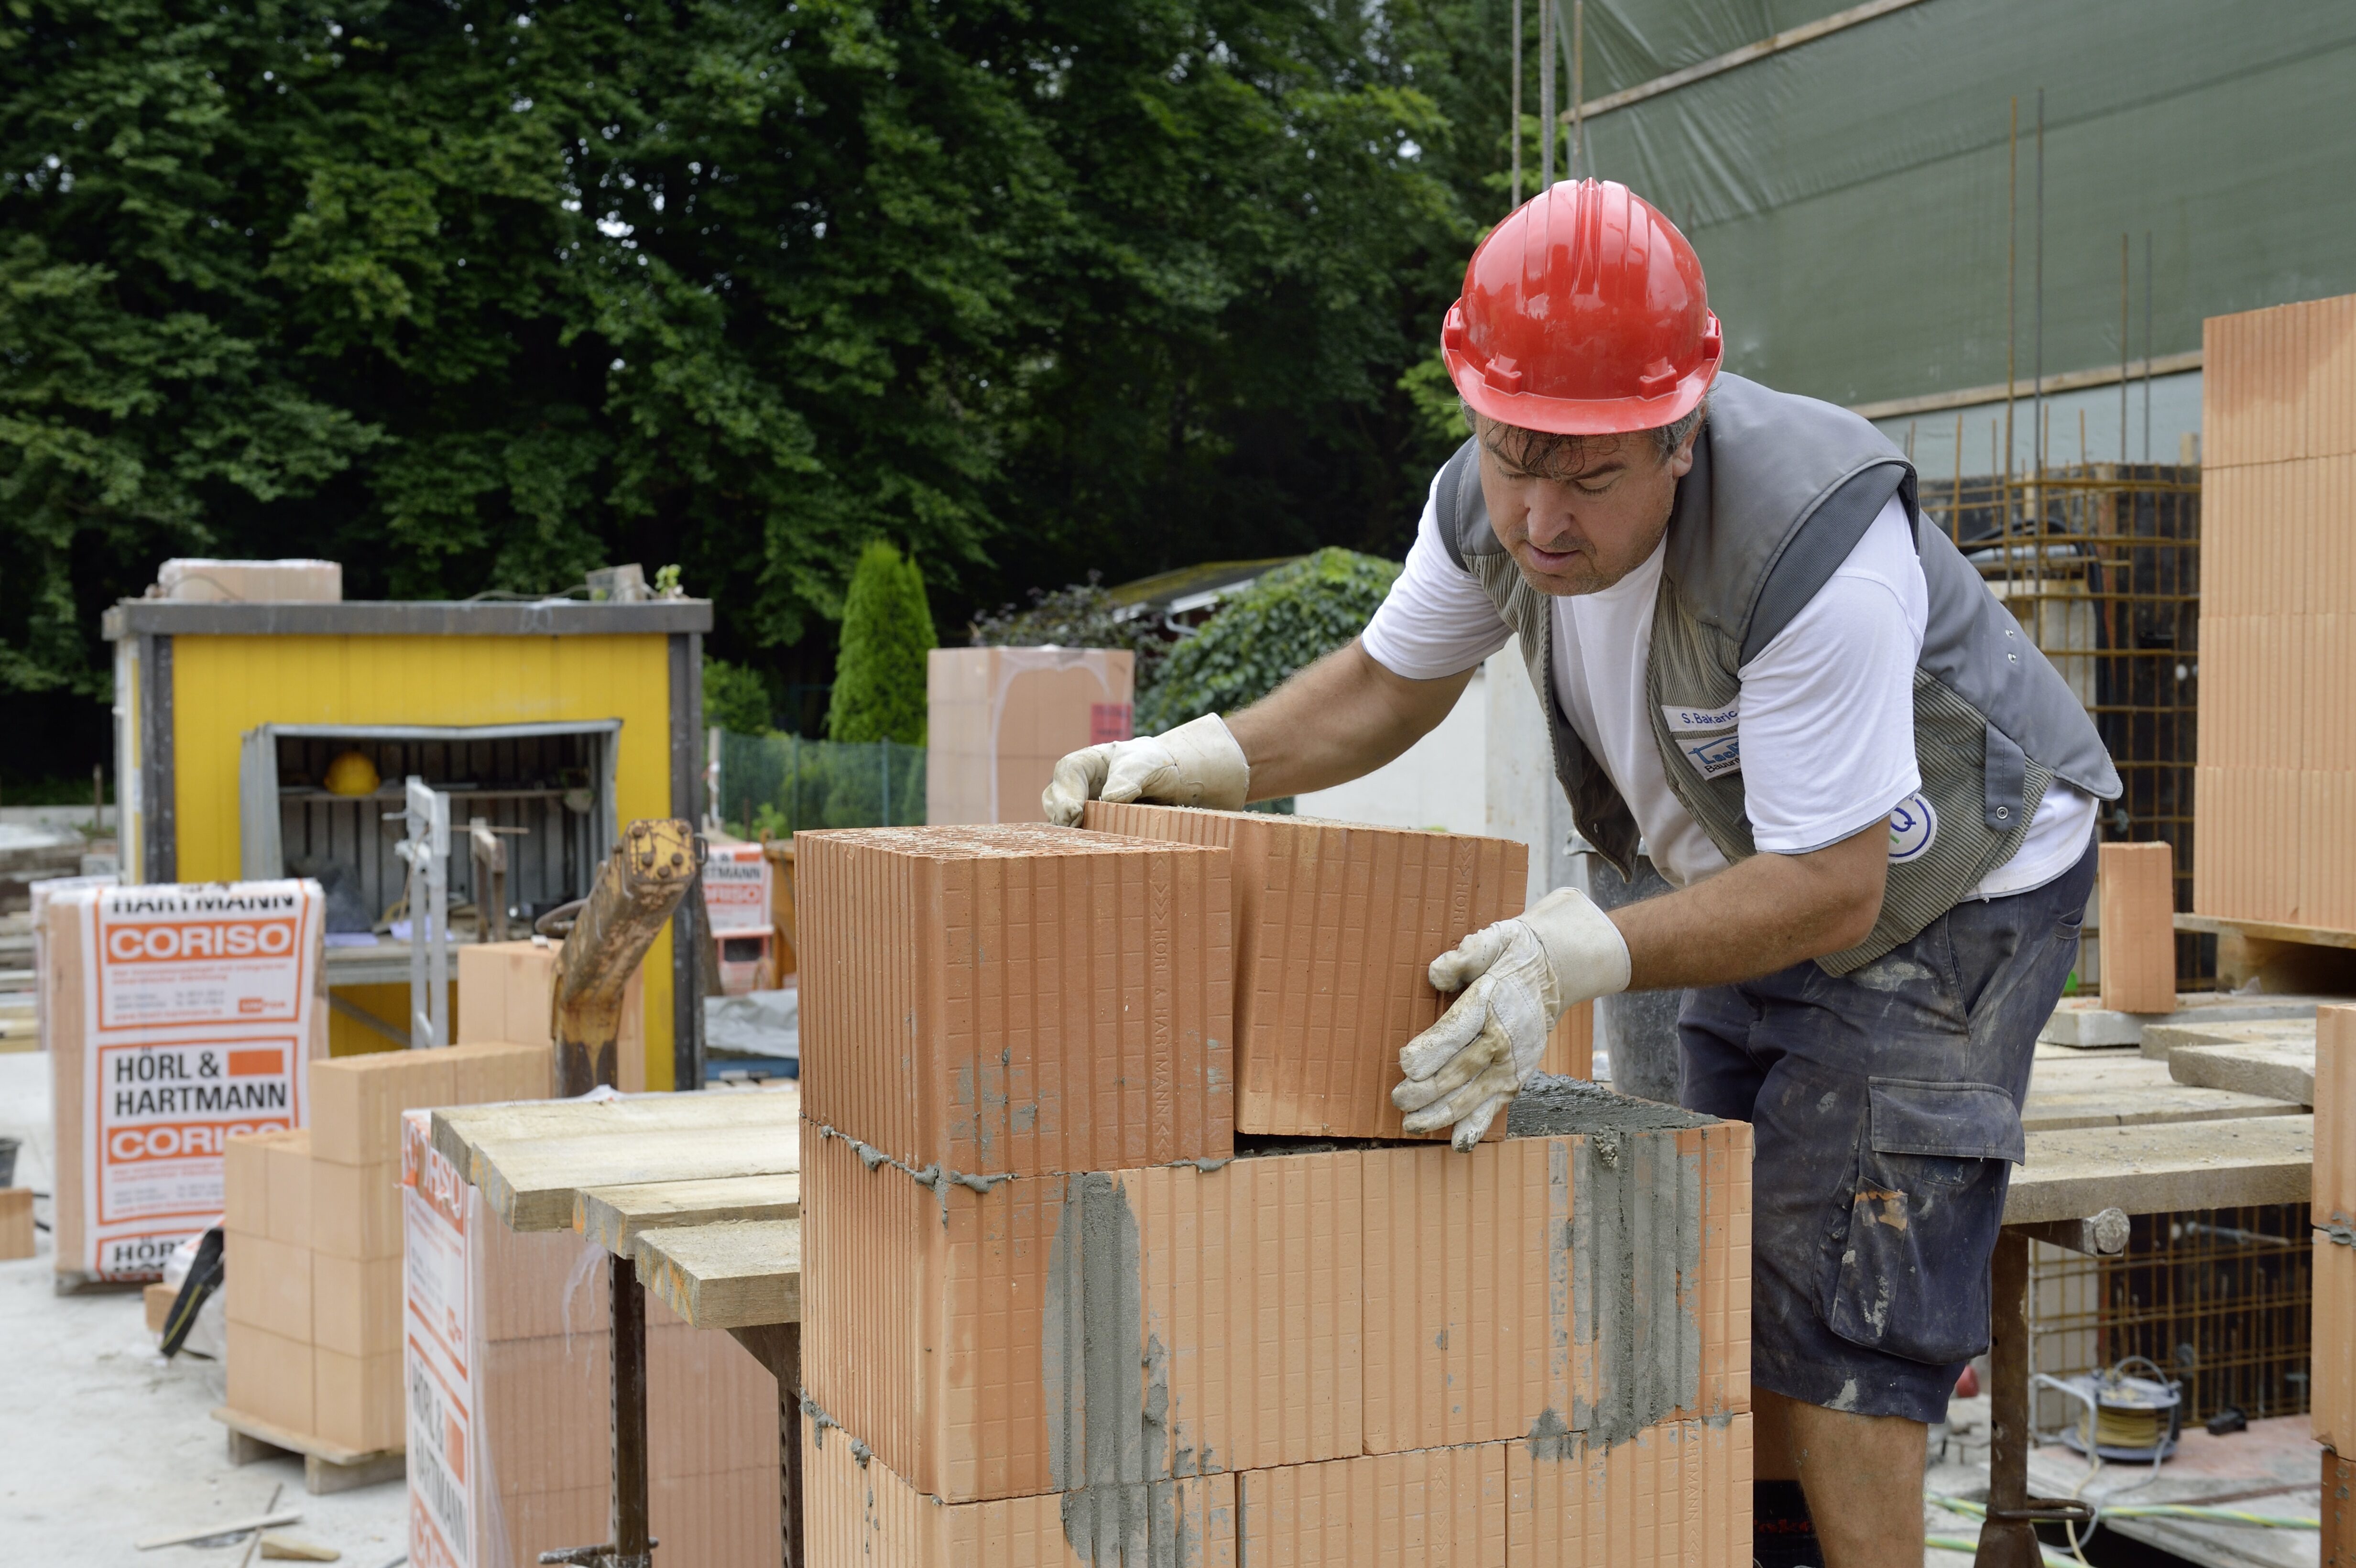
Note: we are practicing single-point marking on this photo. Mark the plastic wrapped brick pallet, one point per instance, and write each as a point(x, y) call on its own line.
point(177, 1017)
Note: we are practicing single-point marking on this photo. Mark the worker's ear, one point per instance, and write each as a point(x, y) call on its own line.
point(1681, 460)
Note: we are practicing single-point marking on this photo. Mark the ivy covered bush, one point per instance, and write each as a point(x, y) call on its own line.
point(1281, 622)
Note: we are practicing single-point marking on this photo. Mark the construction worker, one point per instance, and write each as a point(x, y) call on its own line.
point(1874, 798)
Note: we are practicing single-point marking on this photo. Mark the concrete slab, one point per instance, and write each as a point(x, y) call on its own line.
point(2119, 1088)
point(2083, 1022)
point(2162, 1041)
point(2282, 1069)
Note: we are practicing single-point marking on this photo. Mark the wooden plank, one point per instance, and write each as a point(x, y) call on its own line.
point(613, 1216)
point(2266, 931)
point(733, 1275)
point(2282, 1069)
point(530, 1186)
point(460, 1130)
point(2153, 1170)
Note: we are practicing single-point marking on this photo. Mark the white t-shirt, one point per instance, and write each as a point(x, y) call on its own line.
point(1825, 731)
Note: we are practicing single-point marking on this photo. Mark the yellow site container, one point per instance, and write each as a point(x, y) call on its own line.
point(563, 719)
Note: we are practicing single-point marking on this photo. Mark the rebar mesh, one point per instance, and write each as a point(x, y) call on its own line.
point(2100, 565)
point(2220, 1299)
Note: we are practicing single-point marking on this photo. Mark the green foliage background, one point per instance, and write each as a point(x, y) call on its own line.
point(1282, 621)
point(474, 296)
point(887, 629)
point(734, 698)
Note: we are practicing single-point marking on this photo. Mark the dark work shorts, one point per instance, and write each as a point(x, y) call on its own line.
point(1885, 1107)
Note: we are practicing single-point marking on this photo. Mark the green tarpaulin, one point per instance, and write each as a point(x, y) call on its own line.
point(1848, 195)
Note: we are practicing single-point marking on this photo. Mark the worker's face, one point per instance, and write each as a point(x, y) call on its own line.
point(1578, 516)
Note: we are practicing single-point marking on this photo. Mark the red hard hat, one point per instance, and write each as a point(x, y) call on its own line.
point(1583, 314)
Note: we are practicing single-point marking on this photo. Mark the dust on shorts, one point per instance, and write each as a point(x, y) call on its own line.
point(1885, 1111)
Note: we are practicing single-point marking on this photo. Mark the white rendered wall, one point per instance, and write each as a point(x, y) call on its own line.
point(1438, 781)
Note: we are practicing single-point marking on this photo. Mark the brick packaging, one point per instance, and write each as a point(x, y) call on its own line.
point(1274, 1311)
point(177, 1017)
point(999, 719)
point(1016, 1000)
point(2139, 915)
point(1336, 926)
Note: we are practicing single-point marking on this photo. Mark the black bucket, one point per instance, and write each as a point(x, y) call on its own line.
point(8, 1161)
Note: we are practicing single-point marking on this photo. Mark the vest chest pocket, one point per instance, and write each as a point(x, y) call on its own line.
point(1707, 738)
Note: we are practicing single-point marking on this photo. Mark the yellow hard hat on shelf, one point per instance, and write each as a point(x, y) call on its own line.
point(352, 773)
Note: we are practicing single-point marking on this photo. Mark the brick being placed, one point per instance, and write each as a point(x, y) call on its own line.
point(1008, 1338)
point(1016, 999)
point(1336, 926)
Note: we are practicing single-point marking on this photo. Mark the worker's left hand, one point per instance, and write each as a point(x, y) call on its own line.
point(1518, 977)
point(1198, 763)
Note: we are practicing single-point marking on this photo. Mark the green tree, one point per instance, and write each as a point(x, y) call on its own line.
point(475, 296)
point(887, 630)
point(1282, 621)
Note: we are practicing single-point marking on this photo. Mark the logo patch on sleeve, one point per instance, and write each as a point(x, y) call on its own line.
point(1914, 828)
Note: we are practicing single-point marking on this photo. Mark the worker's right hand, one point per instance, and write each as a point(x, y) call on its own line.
point(1517, 977)
point(1198, 763)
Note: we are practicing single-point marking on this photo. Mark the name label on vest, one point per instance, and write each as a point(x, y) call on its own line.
point(1707, 736)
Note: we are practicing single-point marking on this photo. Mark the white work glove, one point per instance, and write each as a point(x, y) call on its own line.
point(1518, 976)
point(1198, 763)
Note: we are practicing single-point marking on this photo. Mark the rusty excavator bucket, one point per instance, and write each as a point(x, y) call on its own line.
point(637, 888)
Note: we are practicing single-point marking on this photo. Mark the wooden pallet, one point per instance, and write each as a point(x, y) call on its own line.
point(326, 1467)
point(2280, 958)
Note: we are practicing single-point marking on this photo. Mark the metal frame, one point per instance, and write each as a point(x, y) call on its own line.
point(159, 857)
point(688, 937)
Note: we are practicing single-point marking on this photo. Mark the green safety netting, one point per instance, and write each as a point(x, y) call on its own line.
point(1848, 195)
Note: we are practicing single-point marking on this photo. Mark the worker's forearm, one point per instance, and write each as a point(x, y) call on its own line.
point(1757, 916)
point(1340, 719)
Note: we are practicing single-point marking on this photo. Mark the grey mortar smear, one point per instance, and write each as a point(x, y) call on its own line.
point(1108, 1391)
point(935, 1178)
point(1632, 1247)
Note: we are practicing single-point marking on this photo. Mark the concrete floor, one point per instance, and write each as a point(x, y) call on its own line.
point(107, 1443)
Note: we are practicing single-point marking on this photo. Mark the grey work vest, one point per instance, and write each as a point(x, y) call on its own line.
point(1782, 490)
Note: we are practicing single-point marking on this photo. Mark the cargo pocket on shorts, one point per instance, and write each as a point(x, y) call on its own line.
point(1912, 1274)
